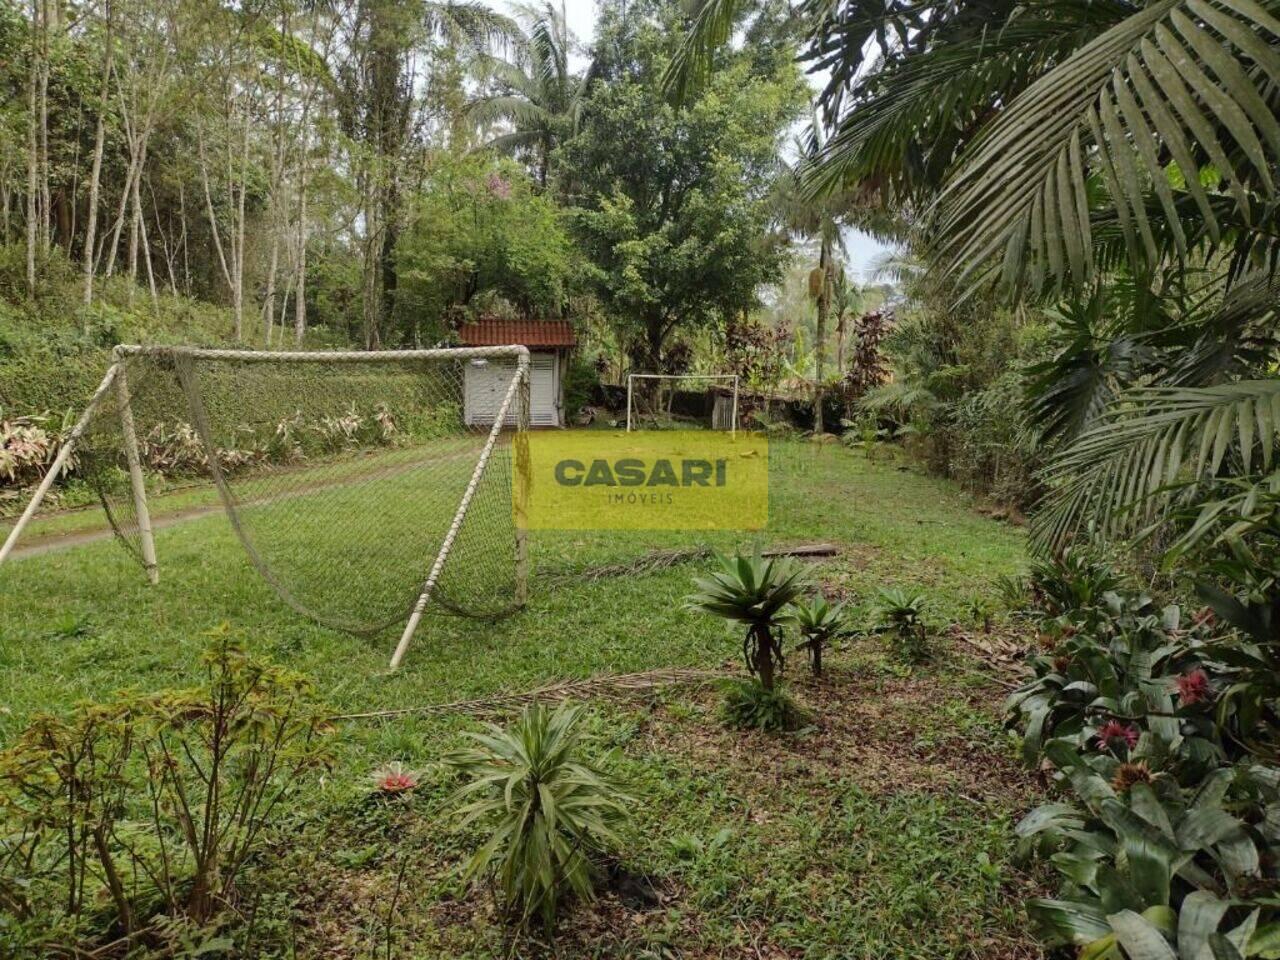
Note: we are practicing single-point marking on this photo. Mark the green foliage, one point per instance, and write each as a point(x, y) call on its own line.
point(817, 621)
point(551, 809)
point(669, 206)
point(581, 381)
point(750, 705)
point(151, 804)
point(901, 614)
point(956, 395)
point(753, 591)
point(1151, 870)
point(479, 234)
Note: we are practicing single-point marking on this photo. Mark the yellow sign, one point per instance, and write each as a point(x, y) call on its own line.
point(648, 480)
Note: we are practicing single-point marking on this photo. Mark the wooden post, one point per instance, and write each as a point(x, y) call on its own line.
point(136, 480)
point(733, 424)
point(60, 461)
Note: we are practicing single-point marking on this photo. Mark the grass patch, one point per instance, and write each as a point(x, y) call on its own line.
point(880, 830)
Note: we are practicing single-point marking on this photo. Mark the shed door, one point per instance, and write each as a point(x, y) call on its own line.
point(487, 385)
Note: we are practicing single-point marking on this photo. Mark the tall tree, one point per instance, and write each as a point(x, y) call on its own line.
point(536, 94)
point(387, 44)
point(671, 206)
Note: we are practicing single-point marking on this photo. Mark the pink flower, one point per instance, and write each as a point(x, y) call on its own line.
point(498, 186)
point(1114, 730)
point(394, 778)
point(1192, 686)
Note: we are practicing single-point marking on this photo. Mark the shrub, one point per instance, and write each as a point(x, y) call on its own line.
point(551, 811)
point(753, 591)
point(1125, 664)
point(749, 705)
point(1149, 869)
point(901, 615)
point(150, 806)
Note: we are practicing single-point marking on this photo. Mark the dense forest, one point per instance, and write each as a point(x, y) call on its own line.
point(371, 173)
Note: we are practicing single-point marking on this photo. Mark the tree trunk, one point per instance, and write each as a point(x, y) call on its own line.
point(820, 347)
point(95, 176)
point(764, 656)
point(300, 281)
point(33, 151)
point(46, 228)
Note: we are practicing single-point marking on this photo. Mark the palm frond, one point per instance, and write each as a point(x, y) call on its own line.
point(1150, 453)
point(510, 109)
point(710, 30)
point(1171, 101)
point(907, 119)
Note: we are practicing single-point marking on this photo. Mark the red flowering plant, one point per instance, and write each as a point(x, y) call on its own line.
point(392, 779)
point(1115, 735)
point(1193, 687)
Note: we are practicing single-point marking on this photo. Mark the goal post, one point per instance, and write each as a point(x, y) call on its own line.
point(730, 380)
point(363, 486)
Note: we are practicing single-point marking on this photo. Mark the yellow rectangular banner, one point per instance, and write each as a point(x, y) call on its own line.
point(647, 480)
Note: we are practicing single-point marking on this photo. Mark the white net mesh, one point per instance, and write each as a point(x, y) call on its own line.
point(342, 475)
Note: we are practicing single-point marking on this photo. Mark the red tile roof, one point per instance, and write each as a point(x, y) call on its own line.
point(529, 333)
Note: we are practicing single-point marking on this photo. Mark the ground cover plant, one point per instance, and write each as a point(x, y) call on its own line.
point(817, 842)
point(1163, 835)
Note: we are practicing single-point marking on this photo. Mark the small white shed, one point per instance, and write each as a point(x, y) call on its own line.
point(549, 343)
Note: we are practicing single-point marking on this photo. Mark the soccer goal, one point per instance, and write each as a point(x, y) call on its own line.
point(365, 487)
point(651, 399)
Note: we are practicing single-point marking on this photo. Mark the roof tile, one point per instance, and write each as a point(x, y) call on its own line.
point(529, 333)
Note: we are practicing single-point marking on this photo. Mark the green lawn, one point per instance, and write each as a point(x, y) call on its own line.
point(882, 831)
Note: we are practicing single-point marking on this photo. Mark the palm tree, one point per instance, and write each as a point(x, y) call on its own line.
point(1053, 150)
point(819, 219)
point(537, 94)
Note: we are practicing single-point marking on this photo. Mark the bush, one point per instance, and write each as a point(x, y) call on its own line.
point(749, 705)
point(1159, 731)
point(552, 811)
point(121, 816)
point(581, 384)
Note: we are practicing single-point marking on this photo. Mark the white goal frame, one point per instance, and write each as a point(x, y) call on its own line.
point(732, 377)
point(116, 377)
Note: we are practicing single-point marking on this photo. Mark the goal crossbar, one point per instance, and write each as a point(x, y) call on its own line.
point(516, 395)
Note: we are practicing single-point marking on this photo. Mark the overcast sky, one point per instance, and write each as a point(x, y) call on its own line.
point(581, 17)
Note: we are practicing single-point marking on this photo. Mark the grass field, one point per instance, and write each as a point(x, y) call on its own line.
point(883, 830)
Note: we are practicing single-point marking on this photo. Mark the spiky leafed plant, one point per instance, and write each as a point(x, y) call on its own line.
point(902, 612)
point(817, 620)
point(536, 93)
point(754, 591)
point(550, 808)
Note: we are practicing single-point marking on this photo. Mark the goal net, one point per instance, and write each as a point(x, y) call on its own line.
point(664, 401)
point(361, 485)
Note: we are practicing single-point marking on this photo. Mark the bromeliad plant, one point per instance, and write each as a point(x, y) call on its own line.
point(1128, 671)
point(552, 811)
point(1150, 870)
point(753, 591)
point(901, 614)
point(818, 621)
